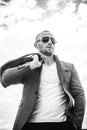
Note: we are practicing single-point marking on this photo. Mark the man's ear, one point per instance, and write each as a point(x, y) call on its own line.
point(36, 45)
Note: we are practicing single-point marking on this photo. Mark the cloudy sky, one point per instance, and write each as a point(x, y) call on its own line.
point(21, 21)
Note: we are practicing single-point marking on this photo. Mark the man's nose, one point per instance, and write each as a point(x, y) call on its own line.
point(50, 42)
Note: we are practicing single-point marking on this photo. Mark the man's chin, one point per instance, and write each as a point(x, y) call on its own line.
point(46, 53)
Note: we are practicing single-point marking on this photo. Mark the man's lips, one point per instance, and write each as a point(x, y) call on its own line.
point(49, 47)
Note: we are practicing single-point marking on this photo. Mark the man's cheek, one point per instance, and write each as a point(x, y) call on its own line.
point(40, 47)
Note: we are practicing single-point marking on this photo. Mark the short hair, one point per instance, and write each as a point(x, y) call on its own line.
point(41, 33)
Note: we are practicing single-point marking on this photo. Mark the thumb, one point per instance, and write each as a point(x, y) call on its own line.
point(35, 58)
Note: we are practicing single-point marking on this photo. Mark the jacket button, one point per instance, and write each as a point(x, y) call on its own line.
point(36, 92)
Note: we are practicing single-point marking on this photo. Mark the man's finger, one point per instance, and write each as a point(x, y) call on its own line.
point(35, 58)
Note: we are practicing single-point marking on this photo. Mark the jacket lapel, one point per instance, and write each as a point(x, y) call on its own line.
point(59, 70)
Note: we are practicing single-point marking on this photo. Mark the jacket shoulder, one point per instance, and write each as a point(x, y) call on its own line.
point(66, 65)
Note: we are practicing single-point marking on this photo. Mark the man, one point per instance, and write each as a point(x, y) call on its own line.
point(53, 97)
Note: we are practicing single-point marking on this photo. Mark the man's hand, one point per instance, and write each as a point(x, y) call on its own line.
point(35, 63)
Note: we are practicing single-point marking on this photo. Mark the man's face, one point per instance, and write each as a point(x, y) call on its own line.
point(46, 43)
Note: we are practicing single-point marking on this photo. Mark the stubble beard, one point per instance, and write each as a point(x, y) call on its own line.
point(46, 53)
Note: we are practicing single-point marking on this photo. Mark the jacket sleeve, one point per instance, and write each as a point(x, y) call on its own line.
point(14, 75)
point(77, 92)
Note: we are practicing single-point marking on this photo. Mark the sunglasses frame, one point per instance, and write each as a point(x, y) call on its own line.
point(52, 40)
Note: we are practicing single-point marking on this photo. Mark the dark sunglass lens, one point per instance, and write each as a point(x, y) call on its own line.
point(45, 39)
point(53, 40)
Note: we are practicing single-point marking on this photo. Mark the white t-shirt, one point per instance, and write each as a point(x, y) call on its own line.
point(51, 103)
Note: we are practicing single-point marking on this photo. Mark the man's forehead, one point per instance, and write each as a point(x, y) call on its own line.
point(44, 34)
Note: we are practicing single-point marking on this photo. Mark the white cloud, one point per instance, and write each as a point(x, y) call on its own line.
point(83, 10)
point(19, 10)
point(22, 3)
point(52, 4)
point(56, 5)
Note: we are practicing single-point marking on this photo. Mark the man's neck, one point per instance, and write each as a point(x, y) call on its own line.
point(48, 60)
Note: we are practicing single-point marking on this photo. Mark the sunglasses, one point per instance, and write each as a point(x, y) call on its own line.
point(46, 39)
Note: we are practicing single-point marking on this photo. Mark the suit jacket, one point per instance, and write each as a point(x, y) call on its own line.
point(69, 81)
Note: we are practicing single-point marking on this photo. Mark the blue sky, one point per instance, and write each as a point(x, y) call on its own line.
point(21, 21)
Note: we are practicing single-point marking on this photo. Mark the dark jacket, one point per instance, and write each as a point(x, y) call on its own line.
point(69, 80)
